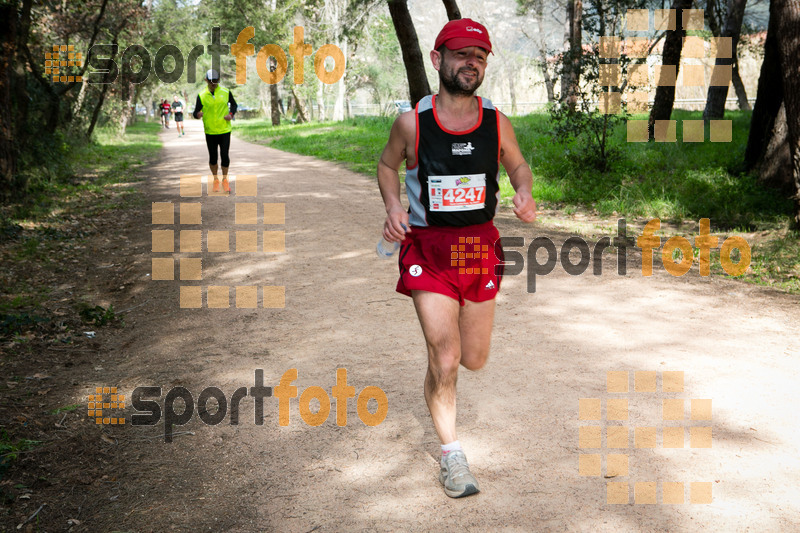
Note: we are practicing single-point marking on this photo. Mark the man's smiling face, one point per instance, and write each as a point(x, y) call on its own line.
point(461, 71)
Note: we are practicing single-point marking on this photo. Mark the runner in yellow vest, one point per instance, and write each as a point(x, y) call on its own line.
point(216, 106)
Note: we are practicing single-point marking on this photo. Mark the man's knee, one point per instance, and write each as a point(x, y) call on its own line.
point(443, 365)
point(474, 361)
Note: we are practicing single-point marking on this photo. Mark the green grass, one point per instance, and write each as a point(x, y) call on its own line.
point(355, 143)
point(9, 449)
point(51, 220)
point(78, 171)
point(671, 181)
point(776, 261)
point(66, 409)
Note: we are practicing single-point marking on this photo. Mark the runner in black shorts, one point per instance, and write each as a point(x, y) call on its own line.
point(177, 108)
point(216, 106)
point(452, 144)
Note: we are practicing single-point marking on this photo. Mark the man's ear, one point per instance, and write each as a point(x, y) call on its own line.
point(436, 59)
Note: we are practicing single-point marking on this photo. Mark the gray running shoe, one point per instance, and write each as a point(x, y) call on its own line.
point(458, 481)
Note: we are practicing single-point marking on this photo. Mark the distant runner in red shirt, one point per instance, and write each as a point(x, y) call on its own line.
point(165, 110)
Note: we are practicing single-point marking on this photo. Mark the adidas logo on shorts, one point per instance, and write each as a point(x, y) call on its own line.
point(490, 285)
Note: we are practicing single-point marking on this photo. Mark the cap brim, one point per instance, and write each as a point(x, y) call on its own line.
point(457, 43)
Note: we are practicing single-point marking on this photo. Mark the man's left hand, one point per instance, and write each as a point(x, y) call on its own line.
point(524, 207)
point(228, 117)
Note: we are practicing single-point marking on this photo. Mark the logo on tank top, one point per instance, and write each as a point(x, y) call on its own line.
point(462, 148)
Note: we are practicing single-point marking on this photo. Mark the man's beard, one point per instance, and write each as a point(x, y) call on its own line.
point(455, 86)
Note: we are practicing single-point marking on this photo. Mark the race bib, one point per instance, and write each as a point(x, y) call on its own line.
point(463, 192)
point(177, 108)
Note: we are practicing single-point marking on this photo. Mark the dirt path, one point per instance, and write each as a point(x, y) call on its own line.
point(518, 418)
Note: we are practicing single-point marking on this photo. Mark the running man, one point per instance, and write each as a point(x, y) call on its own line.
point(165, 110)
point(216, 106)
point(177, 108)
point(452, 144)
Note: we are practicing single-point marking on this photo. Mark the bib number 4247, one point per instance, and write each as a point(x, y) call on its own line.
point(457, 193)
point(464, 196)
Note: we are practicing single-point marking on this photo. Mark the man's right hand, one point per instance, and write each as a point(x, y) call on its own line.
point(396, 225)
point(199, 114)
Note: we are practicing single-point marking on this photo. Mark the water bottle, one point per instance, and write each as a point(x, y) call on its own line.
point(386, 249)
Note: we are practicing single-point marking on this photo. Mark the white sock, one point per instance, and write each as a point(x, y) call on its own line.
point(453, 446)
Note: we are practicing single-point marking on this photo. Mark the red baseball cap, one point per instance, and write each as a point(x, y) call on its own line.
point(461, 33)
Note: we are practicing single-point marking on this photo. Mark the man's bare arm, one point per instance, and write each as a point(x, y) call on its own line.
point(519, 173)
point(392, 157)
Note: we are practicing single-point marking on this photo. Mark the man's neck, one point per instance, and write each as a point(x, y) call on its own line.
point(458, 105)
point(457, 113)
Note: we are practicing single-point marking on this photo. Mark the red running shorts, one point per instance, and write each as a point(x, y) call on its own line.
point(458, 262)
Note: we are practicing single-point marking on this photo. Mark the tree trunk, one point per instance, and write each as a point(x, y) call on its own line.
point(418, 86)
point(8, 52)
point(136, 94)
point(263, 99)
point(673, 46)
point(570, 77)
point(20, 98)
point(302, 114)
point(711, 17)
point(717, 94)
point(78, 105)
point(290, 108)
point(549, 84)
point(338, 107)
point(787, 13)
point(512, 93)
point(769, 100)
point(775, 168)
point(96, 113)
point(99, 105)
point(738, 86)
point(274, 105)
point(128, 109)
point(453, 13)
point(321, 102)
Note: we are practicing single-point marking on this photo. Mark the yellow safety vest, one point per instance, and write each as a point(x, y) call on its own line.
point(215, 107)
